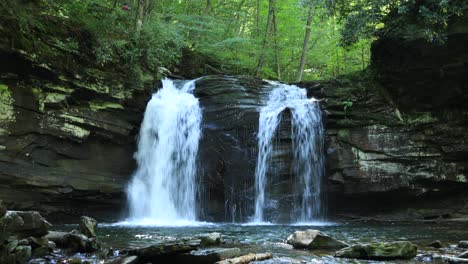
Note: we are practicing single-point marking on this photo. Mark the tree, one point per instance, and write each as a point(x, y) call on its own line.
point(305, 47)
point(261, 60)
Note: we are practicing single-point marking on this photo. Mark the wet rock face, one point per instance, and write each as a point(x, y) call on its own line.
point(66, 143)
point(383, 162)
point(228, 146)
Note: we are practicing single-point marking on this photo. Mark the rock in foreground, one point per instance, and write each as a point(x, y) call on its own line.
point(380, 251)
point(463, 244)
point(88, 226)
point(314, 239)
point(247, 258)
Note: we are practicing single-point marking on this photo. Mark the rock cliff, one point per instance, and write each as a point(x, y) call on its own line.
point(396, 145)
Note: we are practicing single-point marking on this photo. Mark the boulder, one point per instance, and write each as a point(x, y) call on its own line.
point(74, 241)
point(9, 224)
point(380, 251)
point(212, 239)
point(123, 260)
point(2, 209)
point(247, 258)
point(205, 256)
point(34, 224)
point(162, 249)
point(463, 244)
point(435, 244)
point(23, 253)
point(463, 255)
point(314, 239)
point(59, 238)
point(457, 260)
point(88, 226)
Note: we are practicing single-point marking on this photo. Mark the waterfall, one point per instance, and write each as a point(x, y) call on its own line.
point(163, 190)
point(307, 143)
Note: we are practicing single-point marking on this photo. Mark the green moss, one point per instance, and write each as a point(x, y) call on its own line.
point(75, 131)
point(421, 118)
point(343, 133)
point(7, 113)
point(461, 178)
point(97, 106)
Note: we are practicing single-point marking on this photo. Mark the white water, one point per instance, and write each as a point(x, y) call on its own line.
point(163, 189)
point(307, 142)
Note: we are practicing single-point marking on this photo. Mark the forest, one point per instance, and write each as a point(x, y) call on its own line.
point(289, 40)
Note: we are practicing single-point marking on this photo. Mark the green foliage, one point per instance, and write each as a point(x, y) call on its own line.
point(227, 34)
point(347, 106)
point(409, 19)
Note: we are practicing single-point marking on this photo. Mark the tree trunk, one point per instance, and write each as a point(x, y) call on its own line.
point(246, 258)
point(261, 60)
point(275, 37)
point(257, 19)
point(305, 47)
point(208, 7)
point(139, 16)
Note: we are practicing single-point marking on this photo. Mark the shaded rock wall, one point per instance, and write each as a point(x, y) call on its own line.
point(391, 164)
point(66, 143)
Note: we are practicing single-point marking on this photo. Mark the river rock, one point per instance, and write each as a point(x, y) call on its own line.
point(23, 253)
point(205, 256)
point(212, 239)
point(463, 244)
point(247, 258)
point(463, 255)
point(57, 237)
point(88, 226)
point(314, 239)
point(380, 251)
point(33, 224)
point(123, 260)
point(159, 251)
point(9, 224)
point(435, 244)
point(457, 260)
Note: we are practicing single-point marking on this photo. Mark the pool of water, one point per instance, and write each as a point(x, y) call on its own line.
point(271, 238)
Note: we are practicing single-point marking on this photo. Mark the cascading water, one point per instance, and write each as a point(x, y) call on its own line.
point(307, 143)
point(163, 189)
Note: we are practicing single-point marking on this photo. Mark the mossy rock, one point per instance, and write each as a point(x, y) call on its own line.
point(380, 251)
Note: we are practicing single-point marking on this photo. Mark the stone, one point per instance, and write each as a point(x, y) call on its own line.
point(456, 260)
point(212, 239)
point(40, 251)
point(463, 255)
point(57, 237)
point(51, 245)
point(435, 244)
point(210, 255)
point(380, 251)
point(314, 239)
point(88, 226)
point(9, 224)
point(247, 258)
point(123, 260)
point(463, 244)
point(160, 250)
point(3, 209)
point(34, 224)
point(23, 253)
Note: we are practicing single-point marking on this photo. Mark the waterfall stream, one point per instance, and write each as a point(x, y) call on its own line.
point(163, 189)
point(307, 143)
